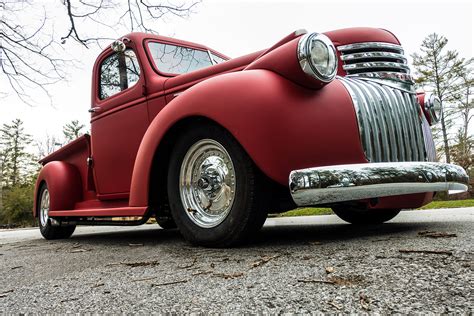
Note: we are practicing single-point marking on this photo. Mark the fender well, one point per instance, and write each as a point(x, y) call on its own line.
point(64, 184)
point(281, 125)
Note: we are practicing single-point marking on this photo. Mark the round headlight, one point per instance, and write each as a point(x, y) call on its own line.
point(317, 56)
point(433, 107)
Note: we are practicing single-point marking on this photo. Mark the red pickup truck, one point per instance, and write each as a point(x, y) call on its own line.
point(210, 144)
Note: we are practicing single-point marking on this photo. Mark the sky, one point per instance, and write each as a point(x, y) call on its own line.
point(240, 27)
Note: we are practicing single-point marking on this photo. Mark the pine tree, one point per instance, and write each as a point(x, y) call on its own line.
point(463, 152)
point(73, 130)
point(16, 161)
point(438, 70)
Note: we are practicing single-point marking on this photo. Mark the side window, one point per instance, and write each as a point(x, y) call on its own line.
point(177, 59)
point(118, 72)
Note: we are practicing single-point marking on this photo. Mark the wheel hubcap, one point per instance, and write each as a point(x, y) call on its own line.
point(207, 183)
point(44, 208)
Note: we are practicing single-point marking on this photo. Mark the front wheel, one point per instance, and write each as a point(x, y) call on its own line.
point(44, 222)
point(214, 189)
point(362, 215)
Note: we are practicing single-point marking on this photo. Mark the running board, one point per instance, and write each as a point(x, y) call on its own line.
point(104, 212)
point(98, 221)
point(104, 217)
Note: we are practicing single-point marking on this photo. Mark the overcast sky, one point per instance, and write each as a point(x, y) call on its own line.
point(239, 27)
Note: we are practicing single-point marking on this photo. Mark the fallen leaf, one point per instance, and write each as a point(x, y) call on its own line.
point(337, 306)
point(79, 250)
point(6, 292)
point(203, 272)
point(315, 281)
point(189, 265)
point(141, 263)
point(264, 260)
point(329, 270)
point(169, 283)
point(433, 234)
point(364, 301)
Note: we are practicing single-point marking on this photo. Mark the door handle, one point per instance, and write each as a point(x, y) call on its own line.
point(94, 109)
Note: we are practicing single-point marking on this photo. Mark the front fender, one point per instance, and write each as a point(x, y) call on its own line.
point(64, 184)
point(281, 125)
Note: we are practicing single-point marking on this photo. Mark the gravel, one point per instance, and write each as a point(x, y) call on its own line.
point(296, 265)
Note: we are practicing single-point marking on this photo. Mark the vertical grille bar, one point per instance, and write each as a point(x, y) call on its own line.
point(391, 125)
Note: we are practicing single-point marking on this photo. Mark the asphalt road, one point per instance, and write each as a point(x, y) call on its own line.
point(295, 265)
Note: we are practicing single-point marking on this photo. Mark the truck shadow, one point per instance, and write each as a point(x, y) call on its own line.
point(269, 236)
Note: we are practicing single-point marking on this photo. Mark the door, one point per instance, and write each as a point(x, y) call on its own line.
point(119, 121)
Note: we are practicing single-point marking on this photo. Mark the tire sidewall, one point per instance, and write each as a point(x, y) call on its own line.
point(243, 180)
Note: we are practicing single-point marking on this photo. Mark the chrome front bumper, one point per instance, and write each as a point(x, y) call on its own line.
point(333, 184)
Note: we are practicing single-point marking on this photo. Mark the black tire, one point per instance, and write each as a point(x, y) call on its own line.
point(364, 216)
point(247, 213)
point(47, 230)
point(165, 222)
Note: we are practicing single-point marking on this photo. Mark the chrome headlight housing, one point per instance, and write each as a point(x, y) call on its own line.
point(317, 56)
point(432, 105)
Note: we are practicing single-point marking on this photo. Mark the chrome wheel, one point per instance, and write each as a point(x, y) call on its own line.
point(44, 208)
point(207, 183)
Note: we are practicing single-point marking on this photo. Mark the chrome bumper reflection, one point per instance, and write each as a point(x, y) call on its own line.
point(332, 184)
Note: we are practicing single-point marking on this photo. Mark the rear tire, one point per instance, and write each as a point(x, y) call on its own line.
point(364, 216)
point(165, 222)
point(44, 222)
point(216, 193)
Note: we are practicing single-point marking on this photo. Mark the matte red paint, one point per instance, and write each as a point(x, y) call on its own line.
point(64, 185)
point(263, 99)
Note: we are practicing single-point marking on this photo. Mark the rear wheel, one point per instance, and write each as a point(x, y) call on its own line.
point(214, 189)
point(165, 222)
point(362, 215)
point(44, 222)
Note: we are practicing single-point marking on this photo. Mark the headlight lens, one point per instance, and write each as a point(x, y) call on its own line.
point(433, 107)
point(317, 56)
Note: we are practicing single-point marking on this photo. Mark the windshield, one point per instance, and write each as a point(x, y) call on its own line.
point(172, 59)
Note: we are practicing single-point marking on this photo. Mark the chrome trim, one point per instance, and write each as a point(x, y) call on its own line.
point(387, 76)
point(207, 183)
point(430, 146)
point(304, 56)
point(373, 55)
point(370, 45)
point(333, 184)
point(376, 60)
point(389, 120)
point(44, 207)
point(433, 107)
point(377, 65)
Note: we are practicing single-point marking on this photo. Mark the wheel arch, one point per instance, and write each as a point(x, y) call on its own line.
point(64, 184)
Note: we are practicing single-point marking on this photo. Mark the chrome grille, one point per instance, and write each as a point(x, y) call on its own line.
point(375, 59)
point(390, 121)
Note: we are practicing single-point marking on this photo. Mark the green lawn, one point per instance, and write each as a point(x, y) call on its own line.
point(325, 211)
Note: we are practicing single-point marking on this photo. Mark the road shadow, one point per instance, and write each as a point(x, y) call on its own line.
point(270, 236)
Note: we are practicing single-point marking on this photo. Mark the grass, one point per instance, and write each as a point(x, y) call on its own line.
point(448, 204)
point(309, 211)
